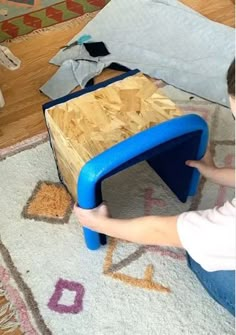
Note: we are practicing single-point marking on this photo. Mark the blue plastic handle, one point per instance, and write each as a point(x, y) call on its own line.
point(130, 152)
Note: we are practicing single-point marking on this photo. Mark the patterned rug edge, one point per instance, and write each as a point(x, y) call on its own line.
point(14, 312)
point(46, 17)
point(30, 305)
point(23, 145)
point(57, 27)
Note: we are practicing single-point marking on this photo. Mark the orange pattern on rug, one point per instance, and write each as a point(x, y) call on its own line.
point(49, 202)
point(147, 282)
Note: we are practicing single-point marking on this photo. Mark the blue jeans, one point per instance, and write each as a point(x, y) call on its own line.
point(219, 284)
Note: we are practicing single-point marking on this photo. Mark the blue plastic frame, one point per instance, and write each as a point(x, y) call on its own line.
point(144, 146)
point(130, 152)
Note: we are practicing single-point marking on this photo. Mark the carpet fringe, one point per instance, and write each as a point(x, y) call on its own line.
point(57, 27)
point(8, 321)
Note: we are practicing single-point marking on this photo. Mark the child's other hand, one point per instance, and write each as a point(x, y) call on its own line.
point(92, 218)
point(205, 166)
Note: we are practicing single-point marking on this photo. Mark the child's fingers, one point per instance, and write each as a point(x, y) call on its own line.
point(192, 163)
point(101, 209)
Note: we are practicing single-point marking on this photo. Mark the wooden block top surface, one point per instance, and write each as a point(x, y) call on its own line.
point(92, 123)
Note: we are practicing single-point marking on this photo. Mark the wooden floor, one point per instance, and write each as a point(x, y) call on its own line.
point(22, 116)
point(222, 11)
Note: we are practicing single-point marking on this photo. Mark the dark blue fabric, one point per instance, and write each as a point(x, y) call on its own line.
point(169, 163)
point(219, 284)
point(168, 160)
point(89, 89)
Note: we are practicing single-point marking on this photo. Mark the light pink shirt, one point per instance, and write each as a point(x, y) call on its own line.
point(209, 236)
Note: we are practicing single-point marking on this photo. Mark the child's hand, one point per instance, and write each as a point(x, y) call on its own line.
point(206, 166)
point(92, 218)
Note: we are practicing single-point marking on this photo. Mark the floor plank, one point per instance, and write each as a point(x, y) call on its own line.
point(222, 11)
point(22, 116)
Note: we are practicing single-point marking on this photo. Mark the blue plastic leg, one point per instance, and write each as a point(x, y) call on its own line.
point(195, 183)
point(91, 200)
point(92, 239)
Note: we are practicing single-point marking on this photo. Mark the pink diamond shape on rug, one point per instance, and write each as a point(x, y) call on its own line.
point(61, 286)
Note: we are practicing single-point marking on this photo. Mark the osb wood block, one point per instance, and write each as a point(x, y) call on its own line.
point(84, 127)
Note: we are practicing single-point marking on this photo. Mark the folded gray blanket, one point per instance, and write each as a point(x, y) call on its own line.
point(162, 38)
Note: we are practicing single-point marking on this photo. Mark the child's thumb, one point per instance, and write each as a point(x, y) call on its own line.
point(194, 164)
point(103, 209)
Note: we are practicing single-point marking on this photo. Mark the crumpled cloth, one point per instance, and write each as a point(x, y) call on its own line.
point(8, 60)
point(163, 39)
point(2, 102)
point(70, 75)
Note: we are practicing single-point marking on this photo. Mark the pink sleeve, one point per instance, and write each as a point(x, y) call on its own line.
point(209, 236)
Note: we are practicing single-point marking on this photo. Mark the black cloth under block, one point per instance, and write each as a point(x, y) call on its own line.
point(96, 49)
point(118, 67)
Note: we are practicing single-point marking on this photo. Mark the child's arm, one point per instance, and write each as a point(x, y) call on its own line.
point(207, 167)
point(151, 230)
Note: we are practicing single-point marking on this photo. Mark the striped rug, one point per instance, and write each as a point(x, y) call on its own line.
point(20, 17)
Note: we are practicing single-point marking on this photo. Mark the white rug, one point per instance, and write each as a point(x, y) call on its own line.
point(122, 289)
